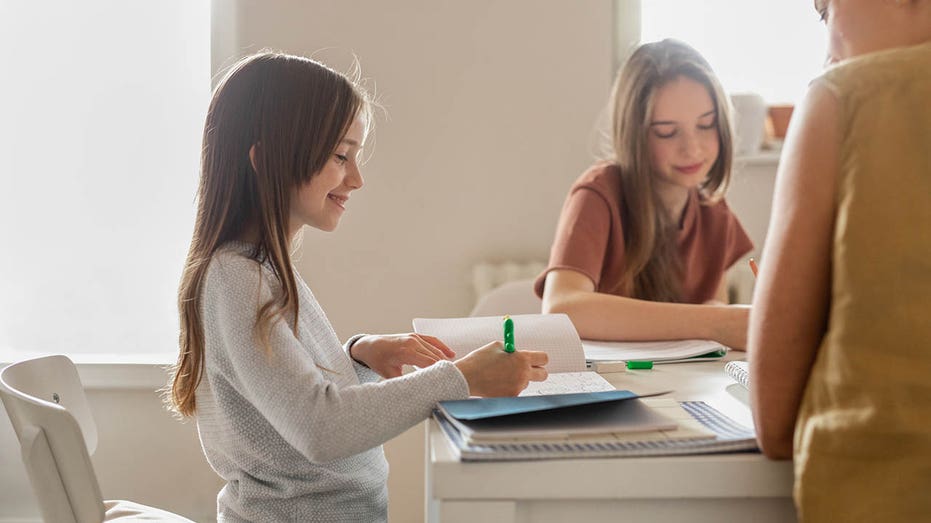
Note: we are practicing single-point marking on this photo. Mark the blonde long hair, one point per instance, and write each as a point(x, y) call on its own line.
point(295, 111)
point(653, 269)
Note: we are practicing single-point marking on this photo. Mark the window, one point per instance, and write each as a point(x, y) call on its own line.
point(770, 47)
point(102, 108)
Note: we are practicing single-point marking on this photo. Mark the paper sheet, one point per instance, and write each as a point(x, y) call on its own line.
point(550, 333)
point(568, 382)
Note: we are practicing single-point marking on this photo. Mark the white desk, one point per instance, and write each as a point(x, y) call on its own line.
point(714, 488)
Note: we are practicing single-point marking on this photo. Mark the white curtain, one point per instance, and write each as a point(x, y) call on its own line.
point(101, 111)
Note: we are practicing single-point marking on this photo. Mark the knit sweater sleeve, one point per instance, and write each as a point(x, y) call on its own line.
point(285, 385)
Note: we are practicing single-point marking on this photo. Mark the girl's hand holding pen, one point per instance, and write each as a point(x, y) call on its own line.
point(491, 372)
point(387, 354)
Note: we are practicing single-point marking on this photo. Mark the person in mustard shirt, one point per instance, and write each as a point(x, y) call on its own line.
point(840, 334)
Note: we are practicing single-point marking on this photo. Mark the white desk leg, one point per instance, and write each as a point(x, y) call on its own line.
point(472, 511)
point(430, 507)
point(442, 511)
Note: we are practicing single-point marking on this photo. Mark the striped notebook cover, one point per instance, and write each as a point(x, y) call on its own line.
point(729, 437)
point(738, 371)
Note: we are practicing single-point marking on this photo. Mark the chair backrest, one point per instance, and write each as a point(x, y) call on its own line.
point(513, 297)
point(47, 406)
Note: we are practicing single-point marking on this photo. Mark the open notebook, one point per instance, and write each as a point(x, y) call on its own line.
point(550, 333)
point(673, 351)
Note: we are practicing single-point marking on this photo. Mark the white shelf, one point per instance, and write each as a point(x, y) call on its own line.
point(770, 157)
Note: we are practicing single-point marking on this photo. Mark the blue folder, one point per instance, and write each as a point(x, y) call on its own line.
point(483, 408)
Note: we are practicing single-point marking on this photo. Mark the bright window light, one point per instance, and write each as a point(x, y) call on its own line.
point(101, 110)
point(770, 47)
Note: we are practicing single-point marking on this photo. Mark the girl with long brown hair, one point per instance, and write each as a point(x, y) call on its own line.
point(645, 237)
point(289, 417)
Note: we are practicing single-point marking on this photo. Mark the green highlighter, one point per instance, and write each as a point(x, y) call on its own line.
point(639, 365)
point(508, 334)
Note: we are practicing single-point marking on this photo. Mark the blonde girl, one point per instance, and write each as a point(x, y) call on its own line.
point(645, 238)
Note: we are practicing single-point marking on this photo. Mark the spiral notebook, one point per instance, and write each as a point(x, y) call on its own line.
point(726, 436)
point(738, 371)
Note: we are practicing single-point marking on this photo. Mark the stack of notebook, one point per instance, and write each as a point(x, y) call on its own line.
point(575, 412)
point(599, 424)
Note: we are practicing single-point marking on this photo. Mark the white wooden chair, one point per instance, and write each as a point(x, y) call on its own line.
point(45, 401)
point(513, 297)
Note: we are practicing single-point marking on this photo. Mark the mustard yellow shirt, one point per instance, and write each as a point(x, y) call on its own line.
point(863, 438)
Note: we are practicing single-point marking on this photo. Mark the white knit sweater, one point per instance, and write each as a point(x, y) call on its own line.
point(297, 432)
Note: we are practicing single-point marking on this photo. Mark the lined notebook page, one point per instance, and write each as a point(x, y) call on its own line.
point(553, 334)
point(568, 382)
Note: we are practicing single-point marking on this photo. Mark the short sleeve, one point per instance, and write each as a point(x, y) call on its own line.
point(738, 244)
point(581, 237)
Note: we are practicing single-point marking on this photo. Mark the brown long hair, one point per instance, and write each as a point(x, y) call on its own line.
point(294, 111)
point(653, 268)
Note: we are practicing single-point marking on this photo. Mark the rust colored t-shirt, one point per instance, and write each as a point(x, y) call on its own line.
point(590, 237)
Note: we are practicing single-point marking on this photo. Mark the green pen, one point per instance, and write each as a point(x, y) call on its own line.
point(508, 334)
point(639, 365)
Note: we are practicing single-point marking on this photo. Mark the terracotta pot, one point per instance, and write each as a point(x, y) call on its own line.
point(780, 115)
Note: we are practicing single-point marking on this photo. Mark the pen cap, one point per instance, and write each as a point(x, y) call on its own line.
point(508, 334)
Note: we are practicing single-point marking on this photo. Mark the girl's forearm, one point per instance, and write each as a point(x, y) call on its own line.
point(606, 317)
